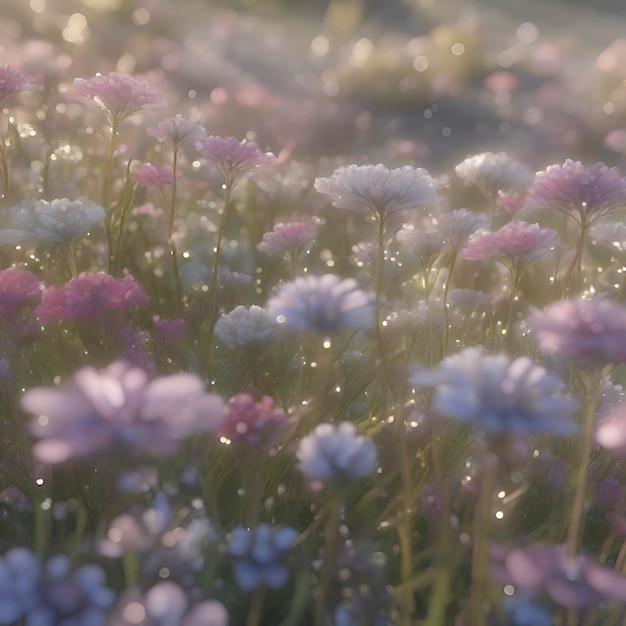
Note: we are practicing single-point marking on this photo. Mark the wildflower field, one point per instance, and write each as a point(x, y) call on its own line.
point(312, 314)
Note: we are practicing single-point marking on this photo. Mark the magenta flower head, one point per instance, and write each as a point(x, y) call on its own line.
point(12, 81)
point(336, 454)
point(119, 95)
point(585, 194)
point(590, 332)
point(499, 396)
point(233, 158)
point(572, 581)
point(515, 245)
point(287, 237)
point(17, 287)
point(322, 304)
point(119, 406)
point(256, 423)
point(91, 295)
point(148, 175)
point(379, 191)
point(178, 132)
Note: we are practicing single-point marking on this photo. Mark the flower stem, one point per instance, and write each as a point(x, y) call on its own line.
point(576, 261)
point(446, 290)
point(255, 608)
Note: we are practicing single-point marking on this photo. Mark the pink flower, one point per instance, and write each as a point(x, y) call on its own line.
point(585, 194)
point(17, 287)
point(148, 175)
point(178, 131)
point(287, 237)
point(120, 95)
point(12, 80)
point(256, 423)
point(233, 158)
point(91, 295)
point(515, 245)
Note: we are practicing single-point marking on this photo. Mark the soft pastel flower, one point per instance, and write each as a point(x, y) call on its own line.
point(511, 201)
point(12, 80)
point(287, 237)
point(456, 227)
point(233, 158)
point(424, 244)
point(256, 423)
point(178, 131)
point(168, 331)
point(493, 172)
point(120, 95)
point(611, 428)
point(59, 221)
point(498, 395)
point(590, 332)
point(379, 191)
point(245, 328)
point(322, 304)
point(17, 287)
point(572, 581)
point(515, 245)
point(585, 194)
point(119, 406)
point(148, 175)
point(237, 278)
point(259, 555)
point(336, 454)
point(91, 295)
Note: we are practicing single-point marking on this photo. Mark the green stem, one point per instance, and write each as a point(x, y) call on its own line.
point(170, 228)
point(446, 290)
point(81, 525)
point(576, 261)
point(255, 608)
point(106, 194)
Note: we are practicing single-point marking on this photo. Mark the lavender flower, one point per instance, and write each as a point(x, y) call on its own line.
point(12, 81)
point(287, 237)
point(590, 332)
point(322, 304)
point(17, 287)
point(259, 555)
point(334, 455)
point(120, 95)
point(256, 423)
point(119, 406)
point(456, 227)
point(379, 191)
point(178, 132)
point(148, 175)
point(585, 194)
point(245, 328)
point(492, 173)
point(498, 395)
point(59, 221)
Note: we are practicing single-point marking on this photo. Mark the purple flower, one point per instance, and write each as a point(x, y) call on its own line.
point(12, 80)
point(287, 237)
point(492, 173)
point(335, 454)
point(256, 423)
point(91, 295)
point(498, 395)
point(119, 406)
point(259, 555)
point(148, 175)
point(168, 331)
point(456, 227)
point(322, 304)
point(120, 95)
point(178, 131)
point(572, 581)
point(590, 332)
point(379, 191)
point(585, 194)
point(17, 287)
point(233, 158)
point(515, 245)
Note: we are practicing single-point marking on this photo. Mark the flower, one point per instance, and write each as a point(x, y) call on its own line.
point(287, 237)
point(516, 244)
point(17, 287)
point(498, 395)
point(259, 555)
point(59, 221)
point(178, 131)
point(148, 175)
point(585, 194)
point(572, 581)
point(256, 423)
point(493, 172)
point(335, 454)
point(168, 331)
point(120, 95)
point(590, 332)
point(322, 304)
point(233, 158)
point(245, 328)
point(456, 227)
point(611, 428)
point(91, 295)
point(119, 406)
point(379, 191)
point(12, 81)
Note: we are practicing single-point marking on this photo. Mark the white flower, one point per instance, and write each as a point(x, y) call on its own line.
point(379, 190)
point(245, 327)
point(492, 172)
point(59, 221)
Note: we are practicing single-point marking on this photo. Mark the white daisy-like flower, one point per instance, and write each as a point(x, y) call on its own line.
point(245, 328)
point(59, 221)
point(492, 172)
point(379, 191)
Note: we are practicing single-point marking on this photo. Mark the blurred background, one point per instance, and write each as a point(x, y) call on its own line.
point(398, 81)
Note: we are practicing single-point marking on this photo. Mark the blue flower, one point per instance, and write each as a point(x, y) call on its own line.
point(498, 395)
point(259, 555)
